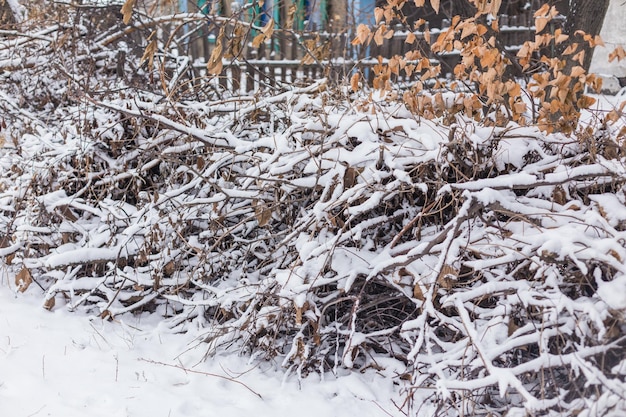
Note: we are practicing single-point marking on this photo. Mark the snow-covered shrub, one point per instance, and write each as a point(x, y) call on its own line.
point(480, 266)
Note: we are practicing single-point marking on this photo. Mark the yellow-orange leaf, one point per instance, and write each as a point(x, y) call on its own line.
point(489, 58)
point(555, 106)
point(362, 34)
point(419, 3)
point(540, 24)
point(619, 53)
point(268, 29)
point(410, 38)
point(127, 10)
point(215, 65)
point(378, 14)
point(291, 16)
point(598, 41)
point(570, 49)
point(378, 36)
point(543, 11)
point(519, 107)
point(580, 57)
point(468, 29)
point(515, 90)
point(148, 54)
point(258, 40)
point(577, 71)
point(354, 82)
point(585, 102)
point(495, 7)
point(559, 37)
point(435, 5)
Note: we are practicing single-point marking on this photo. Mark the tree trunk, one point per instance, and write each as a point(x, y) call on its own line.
point(7, 18)
point(588, 16)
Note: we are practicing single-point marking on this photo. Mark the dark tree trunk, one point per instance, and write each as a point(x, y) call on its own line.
point(7, 18)
point(588, 16)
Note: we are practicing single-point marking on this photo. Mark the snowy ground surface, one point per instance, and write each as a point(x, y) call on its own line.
point(70, 365)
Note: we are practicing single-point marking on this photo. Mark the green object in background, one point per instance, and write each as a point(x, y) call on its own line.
point(300, 14)
point(323, 13)
point(204, 6)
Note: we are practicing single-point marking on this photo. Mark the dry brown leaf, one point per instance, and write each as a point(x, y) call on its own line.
point(439, 103)
point(469, 28)
point(127, 10)
point(541, 23)
point(577, 71)
point(435, 5)
point(362, 34)
point(447, 277)
point(64, 210)
point(148, 53)
point(349, 177)
point(215, 64)
point(614, 254)
point(378, 14)
point(585, 102)
point(379, 35)
point(23, 279)
point(169, 268)
point(235, 46)
point(519, 107)
point(268, 29)
point(580, 57)
point(49, 303)
point(418, 293)
point(543, 11)
point(354, 81)
point(258, 40)
point(597, 41)
point(495, 7)
point(200, 163)
point(291, 14)
point(559, 195)
point(559, 37)
point(619, 53)
point(262, 213)
point(298, 315)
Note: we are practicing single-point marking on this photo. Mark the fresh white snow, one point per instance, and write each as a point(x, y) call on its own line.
point(70, 365)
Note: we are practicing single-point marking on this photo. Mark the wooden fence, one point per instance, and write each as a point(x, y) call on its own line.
point(284, 59)
point(298, 57)
point(292, 58)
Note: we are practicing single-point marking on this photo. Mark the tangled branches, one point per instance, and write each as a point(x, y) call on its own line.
point(323, 231)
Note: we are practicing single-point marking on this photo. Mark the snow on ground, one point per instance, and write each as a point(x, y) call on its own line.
point(67, 364)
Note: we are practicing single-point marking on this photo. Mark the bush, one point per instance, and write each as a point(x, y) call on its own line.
point(324, 228)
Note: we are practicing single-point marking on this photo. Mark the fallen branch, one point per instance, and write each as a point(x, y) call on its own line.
point(229, 379)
